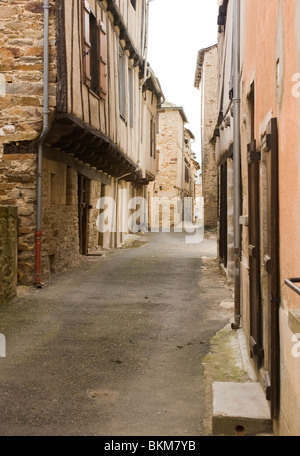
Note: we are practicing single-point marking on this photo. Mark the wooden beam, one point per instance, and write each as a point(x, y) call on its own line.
point(81, 168)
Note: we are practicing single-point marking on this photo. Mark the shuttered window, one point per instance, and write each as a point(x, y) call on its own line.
point(122, 85)
point(87, 43)
point(94, 52)
point(152, 138)
point(103, 60)
point(131, 96)
point(187, 174)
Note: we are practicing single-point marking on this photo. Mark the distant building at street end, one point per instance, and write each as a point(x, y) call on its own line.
point(176, 166)
point(206, 79)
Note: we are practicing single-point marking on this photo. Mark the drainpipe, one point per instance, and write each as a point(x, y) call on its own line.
point(236, 161)
point(145, 75)
point(38, 234)
point(143, 80)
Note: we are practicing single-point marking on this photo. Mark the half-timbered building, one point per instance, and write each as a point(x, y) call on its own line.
point(78, 112)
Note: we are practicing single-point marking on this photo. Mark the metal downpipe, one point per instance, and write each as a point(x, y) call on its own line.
point(38, 234)
point(236, 161)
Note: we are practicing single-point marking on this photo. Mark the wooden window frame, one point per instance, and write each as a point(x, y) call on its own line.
point(94, 52)
point(131, 95)
point(187, 174)
point(133, 3)
point(122, 85)
point(102, 60)
point(86, 33)
point(153, 138)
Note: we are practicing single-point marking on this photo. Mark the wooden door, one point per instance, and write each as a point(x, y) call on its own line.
point(223, 212)
point(83, 212)
point(256, 339)
point(271, 262)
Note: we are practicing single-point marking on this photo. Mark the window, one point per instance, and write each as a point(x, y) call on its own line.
point(103, 60)
point(87, 42)
point(187, 174)
point(152, 138)
point(94, 52)
point(131, 97)
point(122, 84)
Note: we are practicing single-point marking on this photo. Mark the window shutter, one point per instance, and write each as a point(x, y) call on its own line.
point(103, 60)
point(86, 42)
point(122, 88)
point(152, 138)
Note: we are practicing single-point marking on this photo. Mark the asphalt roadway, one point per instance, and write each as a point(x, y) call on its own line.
point(114, 346)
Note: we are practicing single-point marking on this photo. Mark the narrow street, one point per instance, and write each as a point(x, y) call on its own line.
point(114, 347)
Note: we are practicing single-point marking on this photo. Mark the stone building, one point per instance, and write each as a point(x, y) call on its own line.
point(257, 151)
point(206, 79)
point(176, 167)
point(77, 121)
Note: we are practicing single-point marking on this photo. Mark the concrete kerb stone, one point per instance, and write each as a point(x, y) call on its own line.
point(235, 399)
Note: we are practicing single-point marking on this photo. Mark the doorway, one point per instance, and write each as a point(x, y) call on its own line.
point(83, 212)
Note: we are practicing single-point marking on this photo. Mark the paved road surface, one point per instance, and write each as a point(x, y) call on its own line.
point(114, 347)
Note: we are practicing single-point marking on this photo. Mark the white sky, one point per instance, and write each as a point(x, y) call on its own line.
point(177, 30)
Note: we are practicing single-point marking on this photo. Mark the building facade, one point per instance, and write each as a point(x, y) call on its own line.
point(78, 109)
point(206, 80)
point(257, 152)
point(176, 168)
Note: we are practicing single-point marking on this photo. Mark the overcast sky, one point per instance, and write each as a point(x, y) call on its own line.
point(177, 30)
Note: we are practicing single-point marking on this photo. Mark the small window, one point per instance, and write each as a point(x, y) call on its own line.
point(103, 60)
point(122, 85)
point(87, 43)
point(131, 96)
point(133, 2)
point(152, 138)
point(94, 52)
point(94, 70)
point(187, 174)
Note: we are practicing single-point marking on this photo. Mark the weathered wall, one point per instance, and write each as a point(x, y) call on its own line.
point(209, 118)
point(271, 61)
point(8, 252)
point(21, 107)
point(60, 241)
point(18, 188)
point(168, 182)
point(21, 66)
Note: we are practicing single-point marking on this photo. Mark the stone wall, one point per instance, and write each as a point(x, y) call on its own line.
point(168, 180)
point(18, 188)
point(8, 252)
point(209, 118)
point(21, 115)
point(60, 232)
point(21, 68)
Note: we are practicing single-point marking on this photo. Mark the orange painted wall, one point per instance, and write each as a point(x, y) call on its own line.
point(271, 33)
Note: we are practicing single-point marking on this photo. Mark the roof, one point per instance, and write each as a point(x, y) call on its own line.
point(170, 106)
point(155, 84)
point(190, 133)
point(199, 66)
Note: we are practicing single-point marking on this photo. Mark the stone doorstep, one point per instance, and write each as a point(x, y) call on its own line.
point(240, 409)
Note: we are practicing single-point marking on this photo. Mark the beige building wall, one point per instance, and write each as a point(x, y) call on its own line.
point(176, 168)
point(209, 90)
